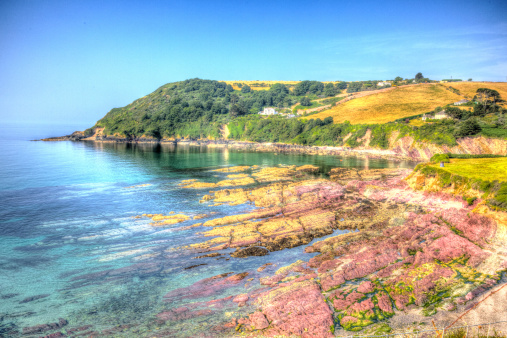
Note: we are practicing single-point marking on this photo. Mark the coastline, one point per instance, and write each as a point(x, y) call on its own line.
point(250, 146)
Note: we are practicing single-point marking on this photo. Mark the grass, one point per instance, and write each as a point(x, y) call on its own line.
point(391, 105)
point(315, 104)
point(469, 88)
point(488, 169)
point(494, 132)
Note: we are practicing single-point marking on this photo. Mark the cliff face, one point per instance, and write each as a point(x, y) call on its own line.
point(408, 147)
point(434, 184)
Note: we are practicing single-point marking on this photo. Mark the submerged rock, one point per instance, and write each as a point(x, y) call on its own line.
point(250, 251)
point(33, 298)
point(45, 327)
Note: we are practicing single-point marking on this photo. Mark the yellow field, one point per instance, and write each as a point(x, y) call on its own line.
point(469, 88)
point(259, 85)
point(488, 169)
point(391, 105)
point(264, 85)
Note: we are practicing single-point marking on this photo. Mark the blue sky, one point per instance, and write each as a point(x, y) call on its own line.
point(72, 61)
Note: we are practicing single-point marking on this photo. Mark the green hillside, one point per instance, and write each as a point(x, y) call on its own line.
point(198, 108)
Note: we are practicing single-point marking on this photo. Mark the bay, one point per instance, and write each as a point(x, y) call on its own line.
point(72, 244)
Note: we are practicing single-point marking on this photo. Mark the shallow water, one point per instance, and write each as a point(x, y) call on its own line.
point(70, 246)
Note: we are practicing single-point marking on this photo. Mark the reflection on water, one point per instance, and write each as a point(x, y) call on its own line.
point(71, 246)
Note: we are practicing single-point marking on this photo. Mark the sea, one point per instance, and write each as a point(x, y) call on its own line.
point(72, 244)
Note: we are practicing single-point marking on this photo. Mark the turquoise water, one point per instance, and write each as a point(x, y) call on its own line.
point(69, 237)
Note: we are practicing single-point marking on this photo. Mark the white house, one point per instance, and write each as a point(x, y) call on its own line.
point(268, 111)
point(382, 84)
point(459, 103)
point(441, 115)
point(426, 117)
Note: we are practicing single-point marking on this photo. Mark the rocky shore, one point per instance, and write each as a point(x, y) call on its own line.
point(380, 255)
point(408, 258)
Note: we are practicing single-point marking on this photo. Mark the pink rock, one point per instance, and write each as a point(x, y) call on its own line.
point(348, 319)
point(365, 305)
point(366, 287)
point(258, 321)
point(240, 298)
point(299, 309)
point(384, 302)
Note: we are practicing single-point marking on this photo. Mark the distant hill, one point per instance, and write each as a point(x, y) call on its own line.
point(392, 104)
point(198, 108)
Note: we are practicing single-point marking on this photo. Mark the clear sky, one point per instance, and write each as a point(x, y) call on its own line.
point(72, 61)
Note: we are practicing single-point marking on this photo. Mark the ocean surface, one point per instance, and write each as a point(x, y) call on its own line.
point(71, 246)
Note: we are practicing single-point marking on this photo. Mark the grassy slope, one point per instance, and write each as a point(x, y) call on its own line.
point(488, 169)
point(391, 105)
point(469, 88)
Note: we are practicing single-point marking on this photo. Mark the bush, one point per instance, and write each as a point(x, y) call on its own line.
point(440, 158)
point(468, 128)
point(305, 101)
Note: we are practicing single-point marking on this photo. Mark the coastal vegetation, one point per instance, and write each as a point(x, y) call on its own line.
point(203, 109)
point(486, 174)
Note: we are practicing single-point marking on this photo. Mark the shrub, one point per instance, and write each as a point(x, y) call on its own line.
point(468, 128)
point(440, 158)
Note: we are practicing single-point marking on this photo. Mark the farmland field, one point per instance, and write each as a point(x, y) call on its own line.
point(264, 85)
point(469, 88)
point(391, 105)
point(489, 169)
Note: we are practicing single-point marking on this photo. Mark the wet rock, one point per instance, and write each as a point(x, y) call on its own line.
point(214, 254)
point(260, 269)
point(193, 266)
point(250, 251)
point(206, 287)
point(308, 168)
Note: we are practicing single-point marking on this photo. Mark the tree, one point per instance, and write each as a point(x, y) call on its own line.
point(468, 128)
point(279, 88)
point(354, 87)
point(399, 78)
point(246, 89)
point(305, 101)
point(470, 79)
point(342, 85)
point(485, 95)
point(328, 120)
point(455, 113)
point(419, 77)
point(329, 90)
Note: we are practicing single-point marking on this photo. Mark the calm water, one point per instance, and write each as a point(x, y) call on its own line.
point(68, 236)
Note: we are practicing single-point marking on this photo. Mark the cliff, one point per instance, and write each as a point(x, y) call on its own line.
point(408, 147)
